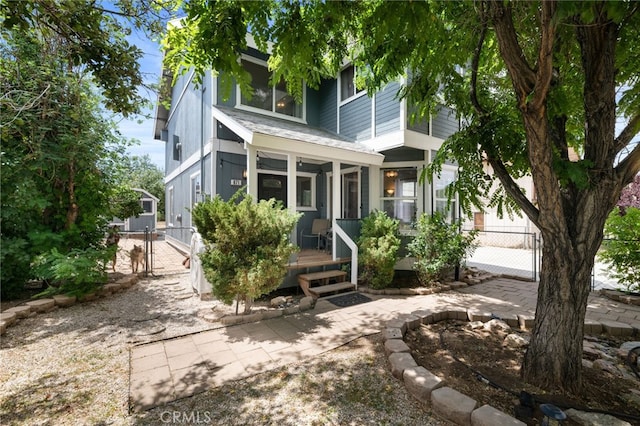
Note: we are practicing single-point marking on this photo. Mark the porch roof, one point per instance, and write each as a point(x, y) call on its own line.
point(273, 134)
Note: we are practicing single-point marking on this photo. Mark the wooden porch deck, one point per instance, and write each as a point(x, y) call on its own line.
point(309, 258)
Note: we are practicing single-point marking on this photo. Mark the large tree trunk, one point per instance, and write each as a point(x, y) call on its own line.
point(554, 357)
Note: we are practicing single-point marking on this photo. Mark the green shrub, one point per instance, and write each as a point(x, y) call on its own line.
point(378, 249)
point(438, 247)
point(14, 261)
point(622, 250)
point(75, 273)
point(248, 246)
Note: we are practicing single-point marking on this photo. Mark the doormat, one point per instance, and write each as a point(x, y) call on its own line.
point(350, 299)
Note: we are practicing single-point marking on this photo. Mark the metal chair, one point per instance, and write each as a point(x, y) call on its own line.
point(319, 229)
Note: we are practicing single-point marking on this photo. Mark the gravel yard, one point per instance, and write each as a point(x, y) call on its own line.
point(71, 367)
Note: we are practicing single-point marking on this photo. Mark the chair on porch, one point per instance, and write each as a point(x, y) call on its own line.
point(318, 231)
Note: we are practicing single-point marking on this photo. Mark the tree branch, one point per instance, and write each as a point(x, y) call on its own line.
point(544, 72)
point(475, 63)
point(522, 75)
point(628, 133)
point(511, 187)
point(630, 166)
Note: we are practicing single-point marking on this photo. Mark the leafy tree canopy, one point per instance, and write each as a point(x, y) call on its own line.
point(95, 33)
point(530, 81)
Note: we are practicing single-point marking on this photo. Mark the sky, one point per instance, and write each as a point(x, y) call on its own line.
point(142, 128)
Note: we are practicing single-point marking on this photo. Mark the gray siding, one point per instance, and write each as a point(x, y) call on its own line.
point(187, 120)
point(355, 119)
point(142, 222)
point(445, 123)
point(387, 109)
point(403, 154)
point(327, 105)
point(417, 124)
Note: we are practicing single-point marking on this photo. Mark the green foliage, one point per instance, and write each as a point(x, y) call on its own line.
point(140, 172)
point(57, 157)
point(75, 273)
point(622, 250)
point(125, 202)
point(438, 247)
point(248, 245)
point(378, 244)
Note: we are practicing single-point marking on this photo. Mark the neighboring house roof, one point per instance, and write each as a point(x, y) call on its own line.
point(147, 194)
point(269, 133)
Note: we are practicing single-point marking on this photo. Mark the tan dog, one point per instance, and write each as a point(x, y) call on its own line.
point(137, 257)
point(112, 240)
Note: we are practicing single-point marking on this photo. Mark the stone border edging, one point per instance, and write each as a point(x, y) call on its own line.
point(429, 388)
point(620, 296)
point(37, 306)
point(305, 304)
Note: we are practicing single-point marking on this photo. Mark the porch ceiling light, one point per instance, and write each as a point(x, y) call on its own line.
point(391, 173)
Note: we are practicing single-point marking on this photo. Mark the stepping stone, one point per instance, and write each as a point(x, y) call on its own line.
point(112, 288)
point(172, 283)
point(148, 328)
point(184, 296)
point(8, 317)
point(21, 311)
point(63, 300)
point(88, 297)
point(42, 305)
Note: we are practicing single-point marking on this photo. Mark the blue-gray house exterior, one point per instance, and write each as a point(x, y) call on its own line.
point(216, 146)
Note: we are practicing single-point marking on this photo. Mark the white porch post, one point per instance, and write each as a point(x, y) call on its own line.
point(336, 203)
point(374, 188)
point(252, 174)
point(291, 191)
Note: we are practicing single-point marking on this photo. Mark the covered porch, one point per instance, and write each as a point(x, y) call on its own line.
point(297, 164)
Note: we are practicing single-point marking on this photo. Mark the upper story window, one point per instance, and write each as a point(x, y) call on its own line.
point(274, 99)
point(348, 87)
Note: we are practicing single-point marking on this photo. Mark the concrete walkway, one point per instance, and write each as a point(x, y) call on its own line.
point(171, 369)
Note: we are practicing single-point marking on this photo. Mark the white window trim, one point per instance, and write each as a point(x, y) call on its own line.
point(313, 206)
point(272, 113)
point(342, 173)
point(356, 94)
point(420, 189)
point(153, 206)
point(454, 169)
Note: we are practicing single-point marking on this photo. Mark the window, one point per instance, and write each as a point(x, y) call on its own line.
point(177, 148)
point(147, 206)
point(305, 192)
point(196, 189)
point(348, 87)
point(400, 195)
point(274, 99)
point(170, 206)
point(349, 194)
point(273, 185)
point(441, 187)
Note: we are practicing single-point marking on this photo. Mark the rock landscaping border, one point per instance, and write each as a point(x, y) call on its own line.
point(12, 315)
point(431, 389)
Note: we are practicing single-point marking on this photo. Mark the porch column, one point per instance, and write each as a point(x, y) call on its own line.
point(336, 202)
point(374, 188)
point(252, 173)
point(291, 192)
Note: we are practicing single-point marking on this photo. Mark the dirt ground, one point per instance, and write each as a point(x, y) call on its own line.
point(437, 346)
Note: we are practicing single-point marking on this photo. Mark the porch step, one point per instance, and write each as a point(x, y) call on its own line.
point(323, 278)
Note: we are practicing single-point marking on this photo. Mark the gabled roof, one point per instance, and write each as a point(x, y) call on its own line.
point(270, 133)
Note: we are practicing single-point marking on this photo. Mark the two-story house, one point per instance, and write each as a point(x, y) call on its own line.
point(295, 151)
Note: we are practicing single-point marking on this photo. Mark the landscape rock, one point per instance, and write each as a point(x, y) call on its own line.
point(497, 326)
point(400, 361)
point(42, 305)
point(306, 303)
point(395, 345)
point(420, 382)
point(63, 300)
point(453, 405)
point(604, 365)
point(594, 419)
point(23, 311)
point(515, 341)
point(489, 416)
point(277, 301)
point(8, 317)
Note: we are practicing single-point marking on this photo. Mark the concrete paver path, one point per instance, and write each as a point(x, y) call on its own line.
point(167, 370)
